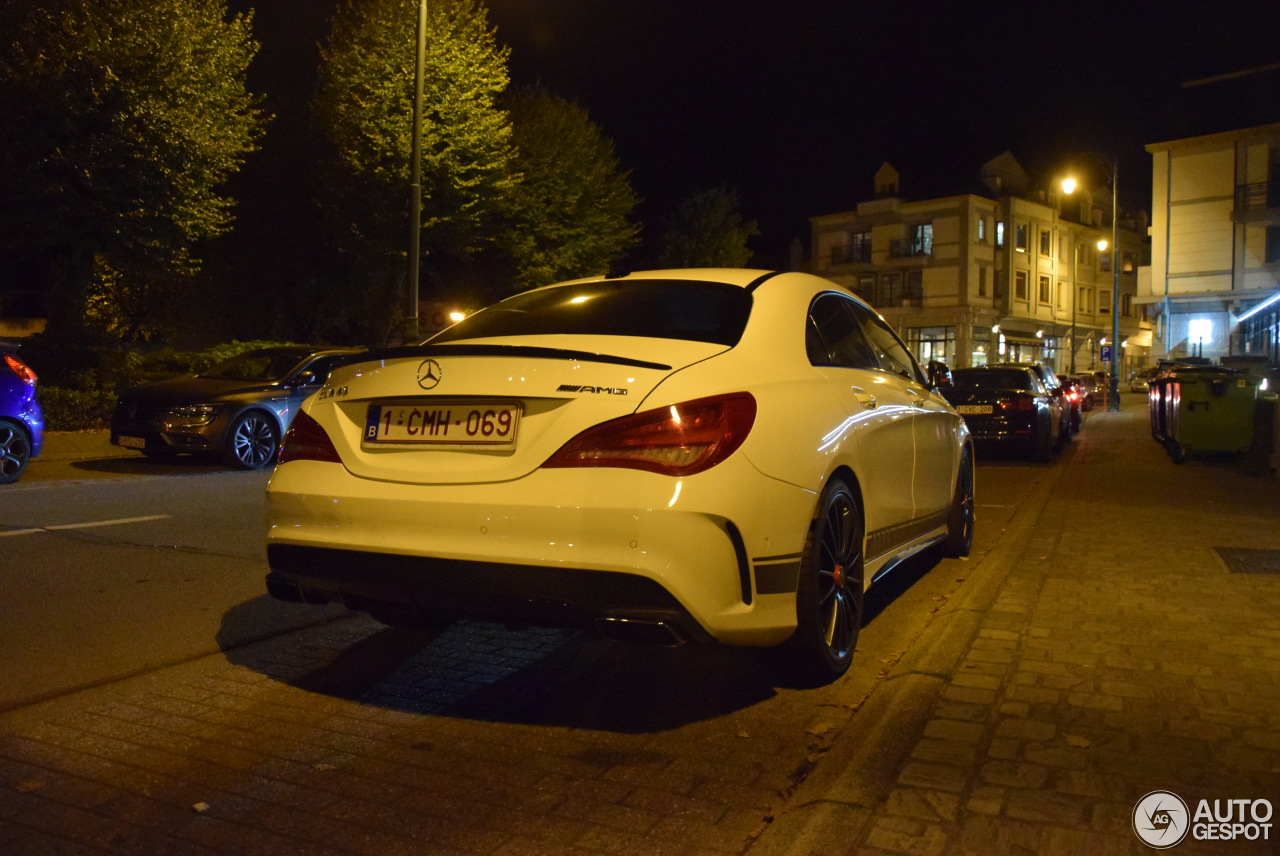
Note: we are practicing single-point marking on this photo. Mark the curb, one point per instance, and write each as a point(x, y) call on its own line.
point(842, 795)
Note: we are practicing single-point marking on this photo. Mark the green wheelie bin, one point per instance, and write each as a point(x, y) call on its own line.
point(1209, 409)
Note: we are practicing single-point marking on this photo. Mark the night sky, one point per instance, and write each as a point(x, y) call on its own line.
point(796, 103)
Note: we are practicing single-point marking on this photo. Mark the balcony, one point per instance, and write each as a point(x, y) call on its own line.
point(908, 248)
point(847, 254)
point(1258, 203)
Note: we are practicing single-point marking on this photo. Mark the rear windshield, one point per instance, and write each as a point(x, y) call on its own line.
point(663, 309)
point(993, 379)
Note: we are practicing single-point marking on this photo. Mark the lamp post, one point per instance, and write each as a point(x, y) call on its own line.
point(1112, 167)
point(415, 180)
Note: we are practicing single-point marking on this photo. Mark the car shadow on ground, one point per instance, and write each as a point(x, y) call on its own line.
point(538, 676)
point(134, 465)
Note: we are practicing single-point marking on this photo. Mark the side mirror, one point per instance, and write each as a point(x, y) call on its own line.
point(307, 378)
point(938, 373)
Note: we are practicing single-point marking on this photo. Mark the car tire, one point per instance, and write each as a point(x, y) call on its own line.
point(829, 594)
point(960, 518)
point(252, 441)
point(15, 451)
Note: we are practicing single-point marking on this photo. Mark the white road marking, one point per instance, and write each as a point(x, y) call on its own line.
point(90, 525)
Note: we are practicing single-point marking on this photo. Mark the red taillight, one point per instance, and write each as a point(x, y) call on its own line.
point(1018, 402)
point(307, 441)
point(21, 369)
point(678, 440)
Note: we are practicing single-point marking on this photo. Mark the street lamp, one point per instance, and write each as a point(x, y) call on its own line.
point(415, 186)
point(1112, 167)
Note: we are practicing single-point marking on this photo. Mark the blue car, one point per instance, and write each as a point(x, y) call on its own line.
point(21, 420)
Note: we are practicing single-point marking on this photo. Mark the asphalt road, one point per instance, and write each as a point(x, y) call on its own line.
point(117, 566)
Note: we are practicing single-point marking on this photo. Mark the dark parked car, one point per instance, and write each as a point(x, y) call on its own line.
point(21, 420)
point(1088, 386)
point(1070, 410)
point(239, 408)
point(1075, 396)
point(1009, 405)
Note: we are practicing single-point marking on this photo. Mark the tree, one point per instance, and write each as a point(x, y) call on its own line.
point(569, 214)
point(122, 121)
point(364, 109)
point(707, 231)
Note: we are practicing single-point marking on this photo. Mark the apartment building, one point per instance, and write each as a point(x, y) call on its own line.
point(1008, 273)
point(1214, 280)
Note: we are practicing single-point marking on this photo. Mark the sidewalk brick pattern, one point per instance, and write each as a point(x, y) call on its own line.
point(1121, 656)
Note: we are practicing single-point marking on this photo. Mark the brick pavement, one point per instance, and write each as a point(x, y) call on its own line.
point(1120, 656)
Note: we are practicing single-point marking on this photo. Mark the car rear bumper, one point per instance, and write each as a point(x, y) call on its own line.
point(715, 555)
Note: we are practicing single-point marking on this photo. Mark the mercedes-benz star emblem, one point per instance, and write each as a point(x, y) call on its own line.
point(429, 374)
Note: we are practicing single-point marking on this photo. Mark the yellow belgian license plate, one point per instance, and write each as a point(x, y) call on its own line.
point(492, 424)
point(973, 409)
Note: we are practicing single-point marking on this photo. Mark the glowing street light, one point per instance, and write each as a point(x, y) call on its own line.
point(1112, 167)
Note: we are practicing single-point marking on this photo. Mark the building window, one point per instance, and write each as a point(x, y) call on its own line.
point(1020, 285)
point(1020, 238)
point(1273, 242)
point(982, 229)
point(1000, 234)
point(858, 249)
point(1104, 302)
point(1046, 242)
point(922, 239)
point(1082, 301)
point(1104, 261)
point(1044, 290)
point(1126, 263)
point(983, 273)
point(888, 291)
point(1062, 295)
point(932, 343)
point(866, 286)
point(1126, 305)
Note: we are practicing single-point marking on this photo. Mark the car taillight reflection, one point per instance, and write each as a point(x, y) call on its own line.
point(678, 440)
point(307, 441)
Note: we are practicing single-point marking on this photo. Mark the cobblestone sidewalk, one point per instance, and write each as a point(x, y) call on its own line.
point(1122, 656)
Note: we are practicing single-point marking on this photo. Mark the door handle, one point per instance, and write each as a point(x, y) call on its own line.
point(866, 399)
point(917, 398)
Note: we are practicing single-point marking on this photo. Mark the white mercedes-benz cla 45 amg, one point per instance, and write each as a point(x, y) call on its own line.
point(708, 455)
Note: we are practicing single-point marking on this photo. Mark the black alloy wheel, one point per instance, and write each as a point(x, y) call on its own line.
point(15, 451)
point(960, 519)
point(829, 596)
point(252, 441)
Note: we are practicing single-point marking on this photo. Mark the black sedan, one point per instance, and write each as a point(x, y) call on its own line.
point(1008, 405)
point(239, 408)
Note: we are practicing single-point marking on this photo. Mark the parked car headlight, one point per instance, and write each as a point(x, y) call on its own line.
point(196, 412)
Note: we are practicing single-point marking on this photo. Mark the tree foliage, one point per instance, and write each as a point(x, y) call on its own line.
point(569, 214)
point(123, 119)
point(364, 109)
point(707, 230)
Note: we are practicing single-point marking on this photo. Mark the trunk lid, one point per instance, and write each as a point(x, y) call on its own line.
point(434, 414)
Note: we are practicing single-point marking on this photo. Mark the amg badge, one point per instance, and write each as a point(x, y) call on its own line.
point(599, 390)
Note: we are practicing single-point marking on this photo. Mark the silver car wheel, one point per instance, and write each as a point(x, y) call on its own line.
point(252, 442)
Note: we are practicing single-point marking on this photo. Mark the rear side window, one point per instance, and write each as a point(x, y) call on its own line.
point(834, 337)
point(662, 309)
